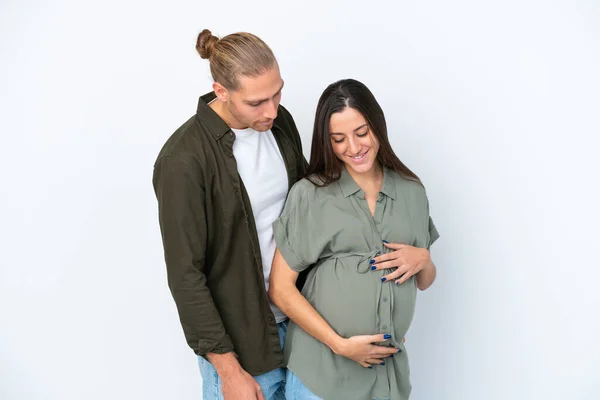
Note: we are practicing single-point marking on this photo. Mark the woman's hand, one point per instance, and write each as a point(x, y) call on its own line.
point(363, 350)
point(408, 260)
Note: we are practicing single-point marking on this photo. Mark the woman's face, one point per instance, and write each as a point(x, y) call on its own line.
point(352, 140)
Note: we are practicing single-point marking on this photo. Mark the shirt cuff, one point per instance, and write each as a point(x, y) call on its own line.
point(222, 346)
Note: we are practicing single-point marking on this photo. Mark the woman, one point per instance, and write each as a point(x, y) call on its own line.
point(361, 218)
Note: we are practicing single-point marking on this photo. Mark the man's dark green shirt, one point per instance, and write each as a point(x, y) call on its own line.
point(211, 247)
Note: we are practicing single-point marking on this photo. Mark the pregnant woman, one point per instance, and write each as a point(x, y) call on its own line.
point(360, 220)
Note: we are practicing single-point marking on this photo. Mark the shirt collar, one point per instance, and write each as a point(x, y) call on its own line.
point(349, 186)
point(214, 124)
point(388, 188)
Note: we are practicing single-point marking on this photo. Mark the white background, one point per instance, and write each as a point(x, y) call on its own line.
point(494, 104)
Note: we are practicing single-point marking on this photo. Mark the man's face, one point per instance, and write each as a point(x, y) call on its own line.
point(256, 101)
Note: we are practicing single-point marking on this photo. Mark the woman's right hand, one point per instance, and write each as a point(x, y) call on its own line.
point(363, 350)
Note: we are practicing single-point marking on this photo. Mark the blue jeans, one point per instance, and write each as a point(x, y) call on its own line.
point(271, 383)
point(295, 389)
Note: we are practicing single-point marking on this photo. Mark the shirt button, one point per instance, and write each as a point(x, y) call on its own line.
point(231, 134)
point(384, 299)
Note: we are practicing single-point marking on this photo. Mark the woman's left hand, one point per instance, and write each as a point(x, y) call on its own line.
point(408, 260)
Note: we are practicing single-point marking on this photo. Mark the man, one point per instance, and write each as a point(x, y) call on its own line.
point(221, 180)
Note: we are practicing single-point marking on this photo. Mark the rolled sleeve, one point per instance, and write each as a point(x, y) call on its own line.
point(293, 230)
point(433, 233)
point(284, 246)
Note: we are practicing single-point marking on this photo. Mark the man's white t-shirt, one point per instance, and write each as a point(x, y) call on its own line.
point(262, 169)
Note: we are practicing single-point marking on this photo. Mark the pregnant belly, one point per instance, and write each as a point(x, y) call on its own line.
point(355, 303)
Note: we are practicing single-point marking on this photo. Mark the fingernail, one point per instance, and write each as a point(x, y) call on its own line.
point(372, 262)
point(385, 241)
point(382, 363)
point(383, 279)
point(397, 283)
point(373, 268)
point(370, 367)
point(387, 336)
point(391, 355)
point(399, 350)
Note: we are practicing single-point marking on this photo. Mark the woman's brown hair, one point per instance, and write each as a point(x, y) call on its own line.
point(324, 167)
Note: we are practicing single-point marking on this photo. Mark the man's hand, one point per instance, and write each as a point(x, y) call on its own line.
point(407, 259)
point(240, 386)
point(236, 384)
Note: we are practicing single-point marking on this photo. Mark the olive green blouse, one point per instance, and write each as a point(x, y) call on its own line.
point(332, 228)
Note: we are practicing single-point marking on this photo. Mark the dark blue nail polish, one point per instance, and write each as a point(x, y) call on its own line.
point(397, 283)
point(372, 262)
point(383, 279)
point(370, 367)
point(391, 356)
point(399, 350)
point(387, 336)
point(382, 363)
point(385, 241)
point(373, 268)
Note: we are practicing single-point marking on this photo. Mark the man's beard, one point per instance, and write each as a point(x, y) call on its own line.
point(241, 120)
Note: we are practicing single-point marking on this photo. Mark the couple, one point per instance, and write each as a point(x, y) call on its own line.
point(254, 236)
